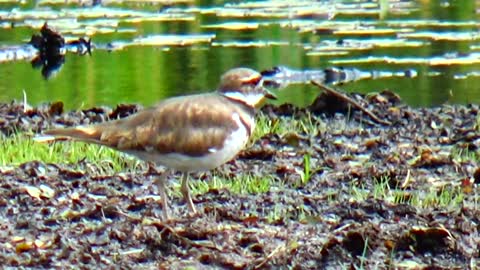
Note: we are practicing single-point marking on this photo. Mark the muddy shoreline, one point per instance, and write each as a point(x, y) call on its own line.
point(90, 220)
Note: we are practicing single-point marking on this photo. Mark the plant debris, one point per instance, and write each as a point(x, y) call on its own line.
point(324, 209)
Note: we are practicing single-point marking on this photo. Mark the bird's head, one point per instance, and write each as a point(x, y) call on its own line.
point(244, 85)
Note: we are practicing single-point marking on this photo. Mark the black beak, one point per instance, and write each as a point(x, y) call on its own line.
point(270, 95)
point(266, 92)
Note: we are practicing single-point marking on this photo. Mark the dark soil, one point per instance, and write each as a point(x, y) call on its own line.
point(54, 216)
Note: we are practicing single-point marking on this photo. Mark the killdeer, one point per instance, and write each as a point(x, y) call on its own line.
point(187, 133)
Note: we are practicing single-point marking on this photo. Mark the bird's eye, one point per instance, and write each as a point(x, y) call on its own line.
point(254, 81)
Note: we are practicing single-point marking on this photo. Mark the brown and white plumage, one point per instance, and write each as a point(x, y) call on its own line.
point(186, 133)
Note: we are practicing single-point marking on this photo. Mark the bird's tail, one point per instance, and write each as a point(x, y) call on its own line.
point(86, 134)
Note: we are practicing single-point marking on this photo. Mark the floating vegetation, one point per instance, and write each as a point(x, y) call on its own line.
point(443, 36)
point(360, 44)
point(373, 28)
point(328, 33)
point(426, 23)
point(446, 60)
point(111, 2)
point(17, 53)
point(247, 44)
point(272, 9)
point(173, 40)
point(161, 41)
point(462, 76)
point(233, 26)
point(370, 31)
point(86, 21)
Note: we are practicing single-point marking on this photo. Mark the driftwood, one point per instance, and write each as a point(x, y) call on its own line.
point(348, 100)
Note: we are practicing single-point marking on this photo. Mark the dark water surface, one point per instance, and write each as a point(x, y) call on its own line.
point(438, 40)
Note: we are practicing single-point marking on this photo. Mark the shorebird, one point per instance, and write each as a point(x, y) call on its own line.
point(186, 133)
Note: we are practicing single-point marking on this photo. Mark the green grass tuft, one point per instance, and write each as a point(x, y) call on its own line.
point(20, 148)
point(240, 184)
point(308, 125)
point(446, 197)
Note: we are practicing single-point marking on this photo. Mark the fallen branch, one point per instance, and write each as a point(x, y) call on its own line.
point(355, 104)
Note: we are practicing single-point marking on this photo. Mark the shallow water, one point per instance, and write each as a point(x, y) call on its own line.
point(200, 40)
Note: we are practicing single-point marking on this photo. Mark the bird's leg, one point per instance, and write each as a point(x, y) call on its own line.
point(160, 181)
point(186, 194)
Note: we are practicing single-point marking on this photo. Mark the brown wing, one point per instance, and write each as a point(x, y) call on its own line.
point(190, 125)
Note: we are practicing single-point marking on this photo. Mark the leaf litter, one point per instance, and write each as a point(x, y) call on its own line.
point(326, 214)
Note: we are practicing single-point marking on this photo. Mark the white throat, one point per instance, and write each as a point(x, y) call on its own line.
point(251, 99)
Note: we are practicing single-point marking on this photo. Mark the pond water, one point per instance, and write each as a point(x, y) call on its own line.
point(144, 51)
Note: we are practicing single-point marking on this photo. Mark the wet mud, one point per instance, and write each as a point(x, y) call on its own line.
point(55, 216)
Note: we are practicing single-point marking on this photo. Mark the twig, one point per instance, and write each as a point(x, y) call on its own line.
point(407, 180)
point(269, 256)
point(355, 104)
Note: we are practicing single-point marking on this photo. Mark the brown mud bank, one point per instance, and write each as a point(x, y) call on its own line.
point(402, 196)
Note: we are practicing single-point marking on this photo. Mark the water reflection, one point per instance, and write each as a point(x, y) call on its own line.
point(146, 52)
point(46, 50)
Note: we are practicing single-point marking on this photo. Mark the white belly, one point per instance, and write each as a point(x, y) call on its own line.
point(216, 157)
